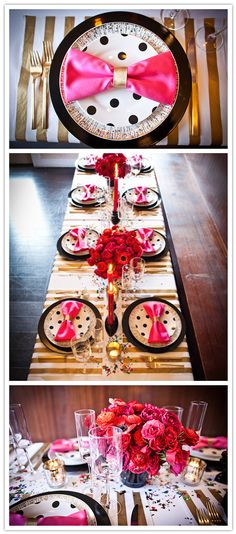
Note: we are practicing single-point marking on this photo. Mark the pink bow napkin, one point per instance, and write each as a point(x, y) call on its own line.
point(87, 75)
point(88, 192)
point(63, 445)
point(81, 243)
point(90, 160)
point(220, 442)
point(78, 518)
point(66, 331)
point(141, 193)
point(145, 234)
point(158, 332)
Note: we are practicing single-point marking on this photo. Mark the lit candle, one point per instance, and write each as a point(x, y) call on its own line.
point(110, 294)
point(110, 273)
point(113, 349)
point(116, 181)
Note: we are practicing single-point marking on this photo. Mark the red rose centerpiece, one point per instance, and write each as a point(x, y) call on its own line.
point(106, 166)
point(151, 436)
point(117, 246)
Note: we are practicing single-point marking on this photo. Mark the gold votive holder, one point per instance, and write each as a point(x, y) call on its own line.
point(113, 350)
point(193, 471)
point(55, 473)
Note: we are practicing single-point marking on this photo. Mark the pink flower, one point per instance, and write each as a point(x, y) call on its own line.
point(153, 465)
point(150, 412)
point(170, 419)
point(138, 461)
point(152, 429)
point(177, 460)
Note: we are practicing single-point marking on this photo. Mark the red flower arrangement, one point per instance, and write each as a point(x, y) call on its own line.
point(117, 246)
point(105, 166)
point(151, 436)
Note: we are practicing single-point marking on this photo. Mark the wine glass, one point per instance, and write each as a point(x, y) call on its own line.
point(175, 409)
point(84, 421)
point(81, 349)
point(196, 415)
point(135, 163)
point(137, 265)
point(20, 432)
point(97, 333)
point(106, 455)
point(174, 19)
point(208, 40)
point(126, 280)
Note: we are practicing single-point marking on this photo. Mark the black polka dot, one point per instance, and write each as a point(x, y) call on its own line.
point(154, 109)
point(143, 334)
point(87, 318)
point(77, 317)
point(165, 322)
point(138, 317)
point(20, 512)
point(133, 119)
point(142, 47)
point(58, 312)
point(59, 322)
point(84, 49)
point(122, 56)
point(72, 506)
point(136, 97)
point(39, 516)
point(104, 40)
point(66, 240)
point(80, 326)
point(147, 316)
point(91, 110)
point(110, 124)
point(167, 312)
point(124, 34)
point(144, 325)
point(173, 318)
point(51, 327)
point(55, 504)
point(114, 102)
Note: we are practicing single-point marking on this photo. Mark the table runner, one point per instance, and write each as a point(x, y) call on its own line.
point(165, 501)
point(29, 29)
point(68, 277)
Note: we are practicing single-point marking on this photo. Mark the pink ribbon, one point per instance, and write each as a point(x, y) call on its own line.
point(62, 445)
point(88, 192)
point(90, 160)
point(81, 243)
point(87, 75)
point(66, 331)
point(145, 234)
point(158, 332)
point(78, 518)
point(141, 193)
point(220, 442)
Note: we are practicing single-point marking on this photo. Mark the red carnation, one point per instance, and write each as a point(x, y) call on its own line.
point(190, 437)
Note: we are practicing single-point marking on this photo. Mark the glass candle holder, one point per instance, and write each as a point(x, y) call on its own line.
point(113, 349)
point(193, 471)
point(55, 473)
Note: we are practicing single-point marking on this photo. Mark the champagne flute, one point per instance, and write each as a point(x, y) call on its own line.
point(196, 415)
point(137, 265)
point(209, 41)
point(81, 349)
point(84, 421)
point(174, 19)
point(97, 333)
point(20, 432)
point(126, 281)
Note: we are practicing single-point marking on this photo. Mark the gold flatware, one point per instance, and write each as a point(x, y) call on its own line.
point(202, 517)
point(36, 72)
point(194, 118)
point(214, 515)
point(46, 61)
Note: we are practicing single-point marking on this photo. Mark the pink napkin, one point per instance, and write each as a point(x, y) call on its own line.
point(90, 160)
point(63, 445)
point(88, 192)
point(78, 518)
point(141, 193)
point(158, 332)
point(220, 442)
point(87, 75)
point(145, 234)
point(66, 331)
point(81, 243)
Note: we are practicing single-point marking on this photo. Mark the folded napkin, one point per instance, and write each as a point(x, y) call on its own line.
point(78, 518)
point(90, 160)
point(220, 442)
point(63, 445)
point(88, 192)
point(81, 243)
point(87, 75)
point(145, 234)
point(141, 193)
point(158, 332)
point(66, 331)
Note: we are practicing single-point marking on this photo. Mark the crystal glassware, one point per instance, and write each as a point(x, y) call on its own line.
point(208, 40)
point(81, 349)
point(126, 280)
point(84, 421)
point(20, 432)
point(135, 163)
point(175, 409)
point(196, 415)
point(55, 473)
point(138, 268)
point(174, 19)
point(97, 333)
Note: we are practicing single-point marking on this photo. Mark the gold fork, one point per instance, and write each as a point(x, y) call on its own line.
point(202, 517)
point(35, 71)
point(47, 61)
point(213, 513)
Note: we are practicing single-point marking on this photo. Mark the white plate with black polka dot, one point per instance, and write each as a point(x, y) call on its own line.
point(78, 192)
point(52, 318)
point(66, 244)
point(158, 241)
point(70, 458)
point(137, 325)
point(61, 503)
point(153, 198)
point(208, 453)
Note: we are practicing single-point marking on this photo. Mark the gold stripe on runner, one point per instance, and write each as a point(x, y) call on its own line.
point(194, 140)
point(22, 90)
point(173, 136)
point(122, 516)
point(216, 494)
point(214, 87)
point(141, 515)
point(190, 504)
point(62, 135)
point(48, 36)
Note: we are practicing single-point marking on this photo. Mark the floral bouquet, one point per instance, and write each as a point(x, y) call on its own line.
point(105, 166)
point(151, 436)
point(117, 246)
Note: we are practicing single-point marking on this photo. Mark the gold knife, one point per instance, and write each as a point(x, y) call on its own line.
point(194, 119)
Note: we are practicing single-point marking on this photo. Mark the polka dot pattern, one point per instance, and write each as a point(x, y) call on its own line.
point(140, 324)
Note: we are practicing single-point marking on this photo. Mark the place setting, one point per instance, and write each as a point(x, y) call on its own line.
point(76, 243)
point(89, 196)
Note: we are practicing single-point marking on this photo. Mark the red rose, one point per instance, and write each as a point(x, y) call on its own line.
point(177, 460)
point(170, 419)
point(102, 266)
point(158, 443)
point(138, 439)
point(190, 437)
point(153, 465)
point(138, 461)
point(152, 429)
point(137, 406)
point(171, 437)
point(126, 439)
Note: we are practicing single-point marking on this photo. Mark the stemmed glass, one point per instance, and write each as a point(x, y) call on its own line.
point(97, 333)
point(138, 268)
point(135, 163)
point(210, 41)
point(178, 410)
point(106, 455)
point(177, 18)
point(196, 415)
point(126, 280)
point(81, 349)
point(84, 421)
point(20, 433)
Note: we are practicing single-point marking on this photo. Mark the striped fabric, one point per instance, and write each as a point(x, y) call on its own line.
point(28, 31)
point(68, 276)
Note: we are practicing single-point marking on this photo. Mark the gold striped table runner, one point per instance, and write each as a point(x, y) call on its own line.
point(212, 83)
point(66, 280)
